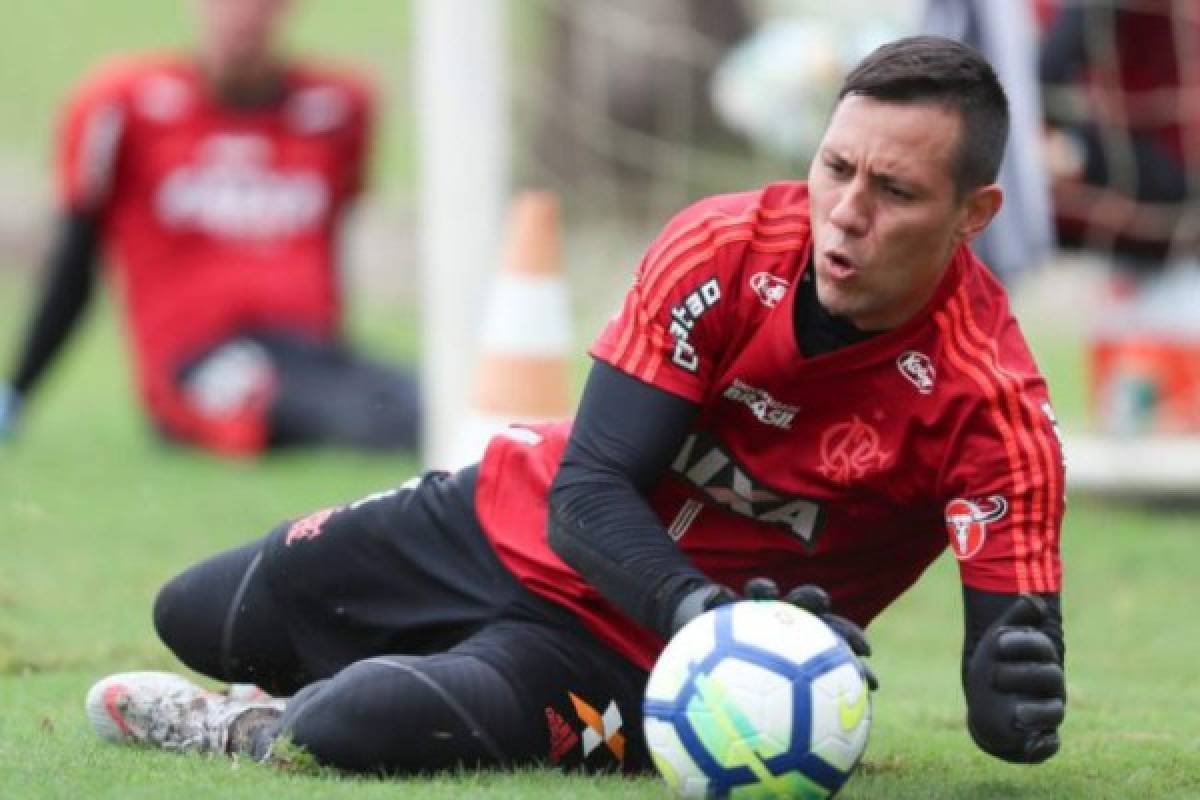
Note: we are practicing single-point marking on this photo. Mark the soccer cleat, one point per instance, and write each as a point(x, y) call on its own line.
point(160, 709)
point(249, 693)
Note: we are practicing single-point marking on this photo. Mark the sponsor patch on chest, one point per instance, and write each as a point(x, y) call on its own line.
point(233, 189)
point(765, 408)
point(705, 464)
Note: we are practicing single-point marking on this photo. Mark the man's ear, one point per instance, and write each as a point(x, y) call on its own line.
point(980, 207)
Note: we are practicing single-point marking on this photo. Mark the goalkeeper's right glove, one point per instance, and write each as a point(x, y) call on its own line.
point(698, 601)
point(810, 597)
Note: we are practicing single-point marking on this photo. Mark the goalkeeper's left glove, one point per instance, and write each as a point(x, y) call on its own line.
point(1016, 692)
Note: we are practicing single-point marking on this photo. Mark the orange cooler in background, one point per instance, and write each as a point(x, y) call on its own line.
point(1144, 383)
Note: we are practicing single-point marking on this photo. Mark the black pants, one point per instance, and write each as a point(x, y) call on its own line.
point(324, 393)
point(410, 647)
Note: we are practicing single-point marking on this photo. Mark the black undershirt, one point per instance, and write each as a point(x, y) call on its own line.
point(817, 331)
point(625, 435)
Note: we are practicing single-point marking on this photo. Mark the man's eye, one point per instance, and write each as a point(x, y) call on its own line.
point(838, 168)
point(898, 193)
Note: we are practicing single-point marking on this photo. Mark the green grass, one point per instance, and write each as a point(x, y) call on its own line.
point(97, 514)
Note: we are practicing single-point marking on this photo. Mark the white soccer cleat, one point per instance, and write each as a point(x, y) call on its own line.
point(249, 693)
point(160, 709)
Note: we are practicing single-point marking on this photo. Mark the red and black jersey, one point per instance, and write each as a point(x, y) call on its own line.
point(217, 219)
point(852, 470)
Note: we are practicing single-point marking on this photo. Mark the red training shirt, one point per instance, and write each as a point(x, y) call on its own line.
point(219, 219)
point(852, 470)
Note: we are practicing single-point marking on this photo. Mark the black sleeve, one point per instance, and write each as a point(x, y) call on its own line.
point(67, 286)
point(981, 609)
point(625, 435)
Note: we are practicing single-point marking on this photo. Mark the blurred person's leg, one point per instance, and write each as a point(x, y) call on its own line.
point(327, 395)
point(295, 391)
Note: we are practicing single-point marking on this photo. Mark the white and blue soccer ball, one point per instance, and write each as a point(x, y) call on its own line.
point(756, 699)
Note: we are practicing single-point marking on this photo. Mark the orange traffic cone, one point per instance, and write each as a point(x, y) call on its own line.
point(525, 338)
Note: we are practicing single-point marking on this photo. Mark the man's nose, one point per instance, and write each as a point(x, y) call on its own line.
point(851, 212)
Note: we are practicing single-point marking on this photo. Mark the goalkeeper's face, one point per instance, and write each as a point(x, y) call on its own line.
point(886, 215)
point(239, 35)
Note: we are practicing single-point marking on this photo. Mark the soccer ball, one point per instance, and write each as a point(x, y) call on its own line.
point(756, 699)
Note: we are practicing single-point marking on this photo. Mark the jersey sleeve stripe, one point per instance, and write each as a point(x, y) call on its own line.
point(1039, 441)
point(791, 212)
point(1056, 508)
point(653, 265)
point(1034, 445)
point(949, 321)
point(638, 351)
point(619, 351)
point(669, 262)
point(703, 233)
point(1035, 440)
point(691, 261)
point(1033, 511)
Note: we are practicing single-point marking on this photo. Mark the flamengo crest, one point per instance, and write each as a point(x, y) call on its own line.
point(919, 370)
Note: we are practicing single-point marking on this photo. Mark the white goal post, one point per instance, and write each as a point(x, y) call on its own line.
point(462, 122)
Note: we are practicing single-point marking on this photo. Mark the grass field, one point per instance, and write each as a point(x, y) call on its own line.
point(97, 514)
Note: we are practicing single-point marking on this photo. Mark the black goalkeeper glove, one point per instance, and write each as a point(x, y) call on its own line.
point(1016, 692)
point(809, 597)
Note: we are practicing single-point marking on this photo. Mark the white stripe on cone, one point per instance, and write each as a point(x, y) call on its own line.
point(527, 316)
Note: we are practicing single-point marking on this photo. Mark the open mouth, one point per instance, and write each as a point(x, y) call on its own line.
point(839, 266)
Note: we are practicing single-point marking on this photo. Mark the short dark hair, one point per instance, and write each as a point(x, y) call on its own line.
point(947, 73)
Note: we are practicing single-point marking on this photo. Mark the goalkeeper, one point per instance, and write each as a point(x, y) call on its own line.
point(815, 385)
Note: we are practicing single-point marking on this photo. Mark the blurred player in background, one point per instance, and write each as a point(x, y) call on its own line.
point(813, 388)
point(219, 182)
point(1124, 140)
point(1125, 136)
point(1021, 237)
